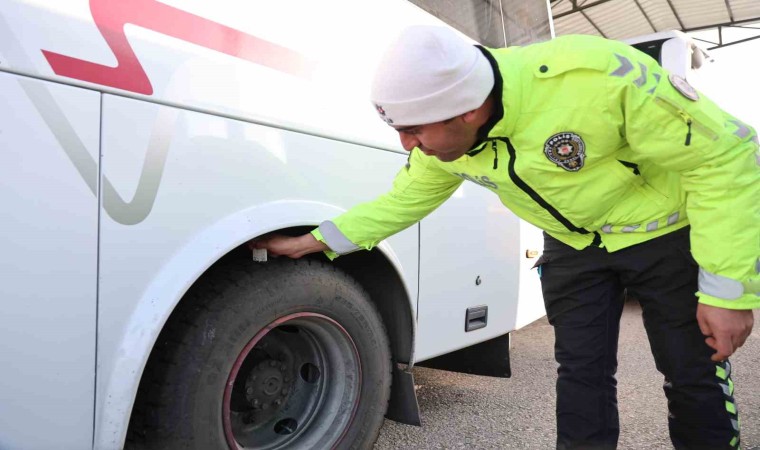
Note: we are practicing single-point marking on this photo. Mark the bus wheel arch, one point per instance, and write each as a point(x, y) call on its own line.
point(372, 272)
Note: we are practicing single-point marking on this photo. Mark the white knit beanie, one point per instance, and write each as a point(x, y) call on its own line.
point(430, 74)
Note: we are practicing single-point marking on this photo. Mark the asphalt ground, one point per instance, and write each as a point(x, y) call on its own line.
point(474, 412)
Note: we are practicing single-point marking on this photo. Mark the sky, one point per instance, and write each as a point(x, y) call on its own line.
point(732, 81)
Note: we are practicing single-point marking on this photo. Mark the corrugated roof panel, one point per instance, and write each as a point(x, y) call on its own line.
point(619, 19)
point(745, 9)
point(701, 13)
point(574, 24)
point(660, 14)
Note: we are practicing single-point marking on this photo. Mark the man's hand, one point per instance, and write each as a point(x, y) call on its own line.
point(726, 329)
point(292, 247)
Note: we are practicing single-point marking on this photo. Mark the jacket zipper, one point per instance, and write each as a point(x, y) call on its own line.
point(538, 199)
point(687, 119)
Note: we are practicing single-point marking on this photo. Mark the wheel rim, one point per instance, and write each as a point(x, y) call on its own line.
point(296, 382)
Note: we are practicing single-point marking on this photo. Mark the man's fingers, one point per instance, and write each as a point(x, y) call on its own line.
point(704, 325)
point(740, 338)
point(723, 346)
point(710, 341)
point(290, 246)
point(749, 322)
point(267, 243)
point(725, 330)
point(717, 357)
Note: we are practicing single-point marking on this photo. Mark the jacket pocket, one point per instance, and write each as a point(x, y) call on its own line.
point(630, 174)
point(691, 124)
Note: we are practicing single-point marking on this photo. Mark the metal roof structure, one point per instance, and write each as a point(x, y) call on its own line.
point(722, 22)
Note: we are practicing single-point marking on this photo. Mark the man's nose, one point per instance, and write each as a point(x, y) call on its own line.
point(408, 141)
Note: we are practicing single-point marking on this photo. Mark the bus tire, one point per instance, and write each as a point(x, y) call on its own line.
point(285, 354)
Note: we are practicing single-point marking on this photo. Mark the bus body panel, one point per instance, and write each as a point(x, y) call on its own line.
point(222, 57)
point(208, 140)
point(472, 222)
point(211, 184)
point(49, 267)
point(474, 253)
point(530, 306)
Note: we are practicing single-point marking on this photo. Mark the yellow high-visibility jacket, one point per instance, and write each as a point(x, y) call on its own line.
point(597, 144)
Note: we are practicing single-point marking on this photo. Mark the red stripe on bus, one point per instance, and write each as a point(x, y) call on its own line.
point(111, 16)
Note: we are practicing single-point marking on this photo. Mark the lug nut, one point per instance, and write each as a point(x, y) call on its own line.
point(272, 363)
point(249, 391)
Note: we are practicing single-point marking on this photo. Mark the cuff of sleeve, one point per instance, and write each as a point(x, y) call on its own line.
point(331, 255)
point(335, 239)
point(746, 301)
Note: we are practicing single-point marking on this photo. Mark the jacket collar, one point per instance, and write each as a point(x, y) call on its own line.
point(490, 130)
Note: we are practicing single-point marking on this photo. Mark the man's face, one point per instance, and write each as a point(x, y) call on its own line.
point(447, 140)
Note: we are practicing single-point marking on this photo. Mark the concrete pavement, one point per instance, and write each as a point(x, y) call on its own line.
point(473, 412)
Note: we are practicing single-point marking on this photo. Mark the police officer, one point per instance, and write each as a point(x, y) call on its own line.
point(639, 182)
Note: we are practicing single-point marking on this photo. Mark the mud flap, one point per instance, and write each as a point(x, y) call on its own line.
point(403, 406)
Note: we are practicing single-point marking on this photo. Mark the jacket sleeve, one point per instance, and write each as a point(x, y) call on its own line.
point(419, 188)
point(668, 123)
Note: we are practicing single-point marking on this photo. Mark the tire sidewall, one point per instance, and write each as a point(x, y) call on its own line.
point(258, 298)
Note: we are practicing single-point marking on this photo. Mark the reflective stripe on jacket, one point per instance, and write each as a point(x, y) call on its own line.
point(598, 145)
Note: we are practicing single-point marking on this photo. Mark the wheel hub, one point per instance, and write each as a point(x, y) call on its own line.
point(268, 384)
point(279, 394)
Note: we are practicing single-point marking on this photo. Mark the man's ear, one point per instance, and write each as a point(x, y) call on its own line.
point(470, 116)
point(480, 115)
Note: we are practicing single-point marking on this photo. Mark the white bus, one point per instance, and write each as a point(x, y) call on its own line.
point(144, 142)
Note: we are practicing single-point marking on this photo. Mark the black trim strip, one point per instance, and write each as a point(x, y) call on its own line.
point(496, 93)
point(630, 165)
point(478, 148)
point(537, 198)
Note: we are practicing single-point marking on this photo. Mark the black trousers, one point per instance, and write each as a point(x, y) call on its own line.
point(584, 295)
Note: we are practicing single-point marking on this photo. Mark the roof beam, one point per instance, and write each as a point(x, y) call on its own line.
point(705, 41)
point(580, 9)
point(646, 16)
point(730, 13)
point(721, 43)
point(735, 42)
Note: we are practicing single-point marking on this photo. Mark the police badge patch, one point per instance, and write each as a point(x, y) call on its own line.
point(566, 150)
point(683, 87)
